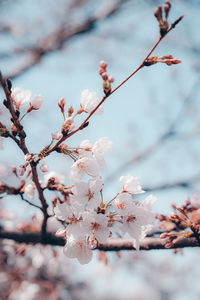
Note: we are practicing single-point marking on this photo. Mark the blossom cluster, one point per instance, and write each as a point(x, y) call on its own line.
point(87, 218)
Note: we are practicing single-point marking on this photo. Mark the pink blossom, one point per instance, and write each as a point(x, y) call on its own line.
point(57, 135)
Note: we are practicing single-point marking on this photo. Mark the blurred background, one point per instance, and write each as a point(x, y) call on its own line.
point(53, 48)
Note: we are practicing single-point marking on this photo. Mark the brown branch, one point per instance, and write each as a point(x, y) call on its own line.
point(30, 203)
point(149, 243)
point(81, 126)
point(23, 147)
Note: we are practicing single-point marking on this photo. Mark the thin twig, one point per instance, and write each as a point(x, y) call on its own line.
point(80, 127)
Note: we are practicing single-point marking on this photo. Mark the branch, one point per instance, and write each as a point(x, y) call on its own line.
point(23, 147)
point(81, 126)
point(57, 39)
point(149, 243)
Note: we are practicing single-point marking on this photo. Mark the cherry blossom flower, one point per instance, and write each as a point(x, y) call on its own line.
point(89, 101)
point(123, 203)
point(97, 225)
point(71, 214)
point(36, 102)
point(68, 124)
point(131, 184)
point(85, 149)
point(84, 165)
point(85, 192)
point(78, 248)
point(29, 190)
point(139, 221)
point(20, 96)
point(101, 147)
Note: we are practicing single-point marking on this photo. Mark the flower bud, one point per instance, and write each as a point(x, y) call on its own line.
point(103, 64)
point(158, 13)
point(104, 76)
point(57, 135)
point(61, 104)
point(36, 102)
point(70, 111)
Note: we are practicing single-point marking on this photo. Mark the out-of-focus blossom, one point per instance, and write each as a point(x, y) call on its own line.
point(20, 96)
point(29, 190)
point(78, 248)
point(89, 101)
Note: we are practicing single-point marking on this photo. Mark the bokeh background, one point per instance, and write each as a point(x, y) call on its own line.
point(53, 48)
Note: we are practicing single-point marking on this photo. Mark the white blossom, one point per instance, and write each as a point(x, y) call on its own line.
point(101, 147)
point(139, 221)
point(85, 192)
point(20, 96)
point(85, 149)
point(131, 184)
point(89, 101)
point(36, 102)
point(29, 190)
point(82, 166)
point(123, 203)
point(78, 248)
point(97, 225)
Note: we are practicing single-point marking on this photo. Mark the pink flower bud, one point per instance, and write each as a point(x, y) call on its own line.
point(111, 79)
point(158, 13)
point(101, 71)
point(57, 135)
point(61, 104)
point(70, 111)
point(103, 64)
point(104, 76)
